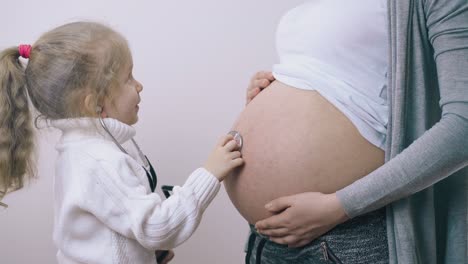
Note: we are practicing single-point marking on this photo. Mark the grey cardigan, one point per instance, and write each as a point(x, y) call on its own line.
point(425, 179)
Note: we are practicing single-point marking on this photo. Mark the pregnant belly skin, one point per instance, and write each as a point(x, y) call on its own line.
point(295, 141)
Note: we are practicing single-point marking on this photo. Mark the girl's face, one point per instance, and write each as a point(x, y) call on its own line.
point(124, 105)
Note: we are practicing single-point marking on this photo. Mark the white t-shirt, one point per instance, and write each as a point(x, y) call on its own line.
point(339, 48)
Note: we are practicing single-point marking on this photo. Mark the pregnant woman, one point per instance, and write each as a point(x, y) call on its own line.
point(315, 140)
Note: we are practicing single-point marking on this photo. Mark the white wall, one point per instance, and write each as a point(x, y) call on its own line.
point(194, 59)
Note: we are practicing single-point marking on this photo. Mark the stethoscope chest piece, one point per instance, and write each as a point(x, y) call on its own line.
point(238, 138)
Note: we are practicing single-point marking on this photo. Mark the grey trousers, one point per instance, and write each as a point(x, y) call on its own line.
point(362, 239)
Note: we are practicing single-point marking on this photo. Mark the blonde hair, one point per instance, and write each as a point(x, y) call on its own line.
point(66, 65)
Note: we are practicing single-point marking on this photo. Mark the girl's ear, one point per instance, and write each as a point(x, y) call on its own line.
point(92, 107)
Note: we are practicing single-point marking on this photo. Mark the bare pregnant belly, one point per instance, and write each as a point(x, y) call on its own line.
point(295, 141)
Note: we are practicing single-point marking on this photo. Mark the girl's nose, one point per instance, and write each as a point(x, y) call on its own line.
point(139, 86)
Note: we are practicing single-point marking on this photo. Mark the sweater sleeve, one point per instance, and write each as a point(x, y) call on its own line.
point(443, 149)
point(153, 222)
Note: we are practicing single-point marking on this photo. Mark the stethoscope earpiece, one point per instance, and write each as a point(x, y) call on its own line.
point(99, 110)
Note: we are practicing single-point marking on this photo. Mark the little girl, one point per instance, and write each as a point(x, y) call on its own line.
point(79, 77)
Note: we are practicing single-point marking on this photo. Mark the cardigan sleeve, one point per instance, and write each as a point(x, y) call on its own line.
point(443, 149)
point(130, 211)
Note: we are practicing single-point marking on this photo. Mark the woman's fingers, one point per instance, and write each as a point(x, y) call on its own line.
point(263, 75)
point(261, 83)
point(258, 82)
point(273, 222)
point(252, 93)
point(285, 240)
point(276, 232)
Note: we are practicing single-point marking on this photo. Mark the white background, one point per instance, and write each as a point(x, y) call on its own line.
point(195, 59)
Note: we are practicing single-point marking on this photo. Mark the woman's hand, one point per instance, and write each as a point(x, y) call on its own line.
point(259, 81)
point(224, 158)
point(170, 255)
point(301, 218)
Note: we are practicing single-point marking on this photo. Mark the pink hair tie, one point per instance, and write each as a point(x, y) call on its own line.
point(24, 51)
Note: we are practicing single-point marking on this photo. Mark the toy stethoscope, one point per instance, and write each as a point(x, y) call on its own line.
point(150, 172)
point(238, 138)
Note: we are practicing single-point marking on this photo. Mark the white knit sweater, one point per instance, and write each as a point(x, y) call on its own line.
point(104, 209)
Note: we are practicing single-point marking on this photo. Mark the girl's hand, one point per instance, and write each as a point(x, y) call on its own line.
point(170, 255)
point(259, 81)
point(301, 218)
point(224, 158)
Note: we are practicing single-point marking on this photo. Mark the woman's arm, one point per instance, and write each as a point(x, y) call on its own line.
point(440, 152)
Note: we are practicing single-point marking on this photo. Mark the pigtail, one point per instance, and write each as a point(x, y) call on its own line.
point(16, 131)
